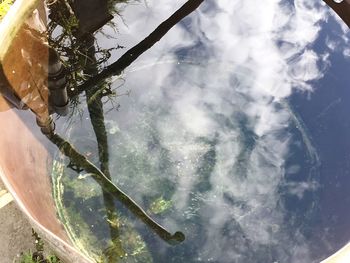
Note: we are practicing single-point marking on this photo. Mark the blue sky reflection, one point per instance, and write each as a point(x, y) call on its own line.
point(209, 114)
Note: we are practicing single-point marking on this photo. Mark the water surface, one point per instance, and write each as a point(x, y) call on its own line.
point(232, 129)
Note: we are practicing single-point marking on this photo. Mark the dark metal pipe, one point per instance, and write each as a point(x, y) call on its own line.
point(47, 125)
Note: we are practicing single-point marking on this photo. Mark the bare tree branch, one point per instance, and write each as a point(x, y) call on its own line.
point(132, 54)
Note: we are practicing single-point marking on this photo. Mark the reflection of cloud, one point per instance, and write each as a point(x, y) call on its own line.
point(304, 68)
point(299, 189)
point(225, 114)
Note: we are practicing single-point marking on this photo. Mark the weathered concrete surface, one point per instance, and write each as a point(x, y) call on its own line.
point(15, 233)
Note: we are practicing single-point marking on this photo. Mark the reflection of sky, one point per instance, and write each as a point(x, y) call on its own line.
point(203, 127)
point(220, 130)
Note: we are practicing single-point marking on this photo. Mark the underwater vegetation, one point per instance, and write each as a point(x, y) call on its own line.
point(191, 157)
point(160, 205)
point(80, 206)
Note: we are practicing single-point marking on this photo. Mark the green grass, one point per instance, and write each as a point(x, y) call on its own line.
point(4, 7)
point(28, 258)
point(38, 255)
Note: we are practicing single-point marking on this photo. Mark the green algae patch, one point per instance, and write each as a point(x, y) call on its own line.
point(96, 228)
point(160, 205)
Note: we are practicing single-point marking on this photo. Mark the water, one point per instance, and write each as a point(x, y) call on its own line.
point(192, 154)
point(230, 131)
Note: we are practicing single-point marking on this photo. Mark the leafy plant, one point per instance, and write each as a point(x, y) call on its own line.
point(38, 255)
point(4, 7)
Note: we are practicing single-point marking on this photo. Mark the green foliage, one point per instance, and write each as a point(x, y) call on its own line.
point(4, 7)
point(38, 255)
point(87, 225)
point(28, 258)
point(53, 259)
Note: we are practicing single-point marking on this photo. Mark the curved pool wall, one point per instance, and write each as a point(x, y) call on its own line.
point(24, 166)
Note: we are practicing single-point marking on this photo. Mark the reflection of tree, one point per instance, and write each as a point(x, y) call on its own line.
point(95, 108)
point(82, 58)
point(132, 54)
point(80, 55)
point(69, 42)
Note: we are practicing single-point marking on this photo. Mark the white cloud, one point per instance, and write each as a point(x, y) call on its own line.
point(252, 55)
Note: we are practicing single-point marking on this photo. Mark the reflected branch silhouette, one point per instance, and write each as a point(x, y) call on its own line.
point(132, 54)
point(87, 52)
point(101, 176)
point(95, 108)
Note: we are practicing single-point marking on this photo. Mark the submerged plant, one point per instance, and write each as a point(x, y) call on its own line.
point(160, 205)
point(86, 225)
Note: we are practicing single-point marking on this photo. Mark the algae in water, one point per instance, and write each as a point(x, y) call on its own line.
point(80, 207)
point(160, 205)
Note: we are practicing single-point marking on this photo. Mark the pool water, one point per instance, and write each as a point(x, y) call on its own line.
point(190, 157)
point(225, 131)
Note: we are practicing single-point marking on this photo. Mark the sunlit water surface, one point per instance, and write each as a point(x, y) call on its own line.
point(209, 138)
